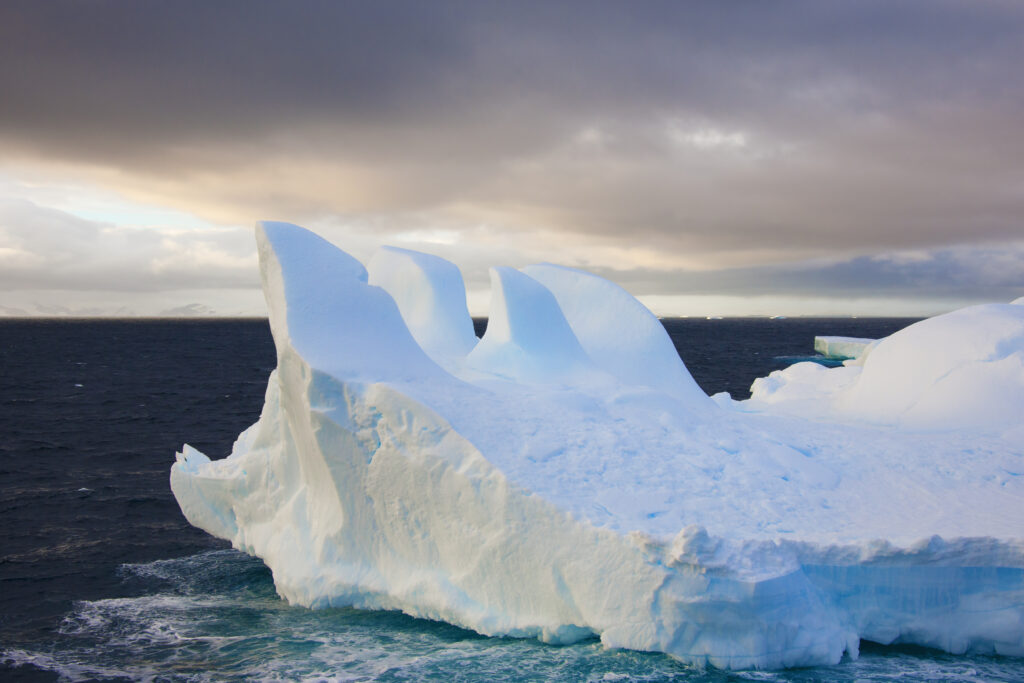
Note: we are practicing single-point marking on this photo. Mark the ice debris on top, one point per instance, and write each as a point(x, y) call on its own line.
point(564, 478)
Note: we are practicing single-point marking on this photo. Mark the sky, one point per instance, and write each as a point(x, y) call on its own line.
point(713, 158)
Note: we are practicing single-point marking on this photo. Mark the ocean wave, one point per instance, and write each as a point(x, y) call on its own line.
point(215, 617)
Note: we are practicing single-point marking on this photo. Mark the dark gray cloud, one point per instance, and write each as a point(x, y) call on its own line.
point(725, 133)
point(173, 70)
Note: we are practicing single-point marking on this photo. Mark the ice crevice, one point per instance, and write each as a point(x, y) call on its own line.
point(564, 477)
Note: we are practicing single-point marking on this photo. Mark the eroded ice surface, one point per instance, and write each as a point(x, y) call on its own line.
point(564, 478)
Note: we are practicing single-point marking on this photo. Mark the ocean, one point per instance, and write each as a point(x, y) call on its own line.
point(101, 578)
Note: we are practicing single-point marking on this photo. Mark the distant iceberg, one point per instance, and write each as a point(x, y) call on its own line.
point(842, 348)
point(564, 478)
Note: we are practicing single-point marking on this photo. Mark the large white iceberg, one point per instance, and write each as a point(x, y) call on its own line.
point(565, 478)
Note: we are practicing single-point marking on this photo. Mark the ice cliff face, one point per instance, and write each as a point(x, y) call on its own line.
point(565, 478)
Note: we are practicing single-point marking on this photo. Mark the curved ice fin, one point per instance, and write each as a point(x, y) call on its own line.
point(527, 338)
point(619, 334)
point(431, 298)
point(321, 306)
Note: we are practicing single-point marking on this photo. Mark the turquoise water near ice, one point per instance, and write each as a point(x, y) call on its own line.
point(215, 616)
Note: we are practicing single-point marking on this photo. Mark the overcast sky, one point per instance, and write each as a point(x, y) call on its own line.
point(712, 158)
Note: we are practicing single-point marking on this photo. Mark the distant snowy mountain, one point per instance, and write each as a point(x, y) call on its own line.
point(189, 311)
point(38, 310)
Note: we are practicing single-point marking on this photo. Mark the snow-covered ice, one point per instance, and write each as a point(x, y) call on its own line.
point(564, 477)
point(964, 369)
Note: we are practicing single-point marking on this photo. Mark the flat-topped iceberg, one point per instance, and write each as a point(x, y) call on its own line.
point(842, 348)
point(565, 478)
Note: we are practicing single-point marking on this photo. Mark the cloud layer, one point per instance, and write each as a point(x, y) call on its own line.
point(656, 141)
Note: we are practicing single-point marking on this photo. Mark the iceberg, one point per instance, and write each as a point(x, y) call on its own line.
point(842, 348)
point(564, 478)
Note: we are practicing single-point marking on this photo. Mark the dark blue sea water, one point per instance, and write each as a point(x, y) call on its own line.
point(101, 578)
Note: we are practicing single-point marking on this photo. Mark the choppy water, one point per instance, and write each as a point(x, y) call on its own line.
point(102, 579)
point(215, 616)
